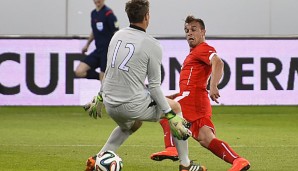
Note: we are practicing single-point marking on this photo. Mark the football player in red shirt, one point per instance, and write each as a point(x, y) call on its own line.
point(201, 63)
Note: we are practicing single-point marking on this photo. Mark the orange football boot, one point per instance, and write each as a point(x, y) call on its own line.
point(169, 153)
point(240, 164)
point(90, 164)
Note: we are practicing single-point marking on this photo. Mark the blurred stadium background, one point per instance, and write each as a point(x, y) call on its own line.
point(40, 44)
point(223, 18)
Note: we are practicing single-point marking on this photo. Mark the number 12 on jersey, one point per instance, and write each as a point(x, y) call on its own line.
point(123, 66)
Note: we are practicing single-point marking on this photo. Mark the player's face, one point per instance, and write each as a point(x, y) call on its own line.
point(99, 3)
point(194, 34)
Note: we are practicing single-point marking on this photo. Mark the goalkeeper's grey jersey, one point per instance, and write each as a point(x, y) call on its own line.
point(133, 55)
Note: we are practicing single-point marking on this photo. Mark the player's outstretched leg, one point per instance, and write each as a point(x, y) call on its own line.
point(192, 167)
point(226, 153)
point(170, 151)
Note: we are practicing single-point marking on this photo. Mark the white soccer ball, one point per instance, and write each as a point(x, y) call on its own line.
point(108, 161)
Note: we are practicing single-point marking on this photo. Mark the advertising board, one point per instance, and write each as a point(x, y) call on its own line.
point(41, 71)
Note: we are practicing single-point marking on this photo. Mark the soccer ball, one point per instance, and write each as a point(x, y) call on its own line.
point(108, 161)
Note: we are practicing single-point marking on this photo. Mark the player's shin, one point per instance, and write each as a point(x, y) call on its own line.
point(182, 148)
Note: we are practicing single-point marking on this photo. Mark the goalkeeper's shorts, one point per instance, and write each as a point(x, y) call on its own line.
point(199, 123)
point(125, 114)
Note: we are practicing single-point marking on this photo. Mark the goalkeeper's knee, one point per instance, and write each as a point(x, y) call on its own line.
point(137, 124)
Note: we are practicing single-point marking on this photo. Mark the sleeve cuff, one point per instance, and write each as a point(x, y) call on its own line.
point(168, 110)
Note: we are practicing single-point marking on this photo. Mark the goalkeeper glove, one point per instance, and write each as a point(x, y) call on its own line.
point(178, 125)
point(94, 108)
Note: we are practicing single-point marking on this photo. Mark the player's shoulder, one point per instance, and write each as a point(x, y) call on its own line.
point(150, 39)
point(151, 44)
point(143, 38)
point(127, 33)
point(93, 11)
point(205, 47)
point(107, 10)
point(121, 33)
point(106, 7)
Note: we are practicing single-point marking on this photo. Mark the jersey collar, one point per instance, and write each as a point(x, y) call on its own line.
point(137, 27)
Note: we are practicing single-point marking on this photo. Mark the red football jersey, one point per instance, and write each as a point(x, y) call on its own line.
point(194, 75)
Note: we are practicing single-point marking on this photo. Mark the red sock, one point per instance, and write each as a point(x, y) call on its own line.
point(222, 150)
point(168, 140)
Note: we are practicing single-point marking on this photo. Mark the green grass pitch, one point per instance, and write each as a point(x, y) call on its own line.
point(62, 138)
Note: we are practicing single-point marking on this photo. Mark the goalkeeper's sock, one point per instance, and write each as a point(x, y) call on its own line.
point(168, 139)
point(116, 139)
point(92, 74)
point(182, 148)
point(222, 150)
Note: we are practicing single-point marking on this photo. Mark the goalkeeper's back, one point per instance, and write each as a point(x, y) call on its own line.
point(133, 55)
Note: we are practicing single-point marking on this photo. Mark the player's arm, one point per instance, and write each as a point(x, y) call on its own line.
point(113, 22)
point(154, 54)
point(178, 125)
point(172, 96)
point(90, 39)
point(216, 74)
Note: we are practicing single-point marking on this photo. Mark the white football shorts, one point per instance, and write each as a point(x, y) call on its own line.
point(126, 114)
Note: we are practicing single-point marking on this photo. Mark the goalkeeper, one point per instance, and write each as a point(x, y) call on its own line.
point(134, 56)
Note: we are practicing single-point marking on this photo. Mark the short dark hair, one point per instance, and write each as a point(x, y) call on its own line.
point(136, 10)
point(191, 18)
